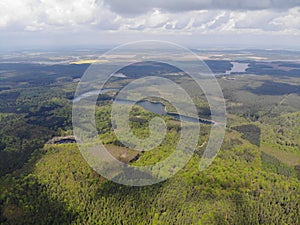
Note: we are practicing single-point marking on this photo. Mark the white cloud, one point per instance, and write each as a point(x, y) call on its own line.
point(281, 22)
point(16, 12)
point(257, 20)
point(67, 12)
point(54, 14)
point(289, 20)
point(156, 19)
point(35, 15)
point(152, 16)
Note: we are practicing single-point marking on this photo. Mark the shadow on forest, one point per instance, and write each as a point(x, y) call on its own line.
point(274, 88)
point(29, 203)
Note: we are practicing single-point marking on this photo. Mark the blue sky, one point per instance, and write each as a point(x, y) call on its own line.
point(193, 23)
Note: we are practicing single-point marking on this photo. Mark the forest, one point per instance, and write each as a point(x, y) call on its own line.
point(253, 180)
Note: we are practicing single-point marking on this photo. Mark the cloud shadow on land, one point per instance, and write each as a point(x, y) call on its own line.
point(274, 88)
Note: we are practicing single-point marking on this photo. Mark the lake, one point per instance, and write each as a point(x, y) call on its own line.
point(159, 108)
point(238, 68)
point(154, 107)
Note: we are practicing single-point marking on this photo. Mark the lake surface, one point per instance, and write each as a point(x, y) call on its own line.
point(238, 68)
point(155, 107)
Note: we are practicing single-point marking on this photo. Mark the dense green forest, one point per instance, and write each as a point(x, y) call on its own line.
point(253, 180)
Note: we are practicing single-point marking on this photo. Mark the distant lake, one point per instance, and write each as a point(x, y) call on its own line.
point(238, 68)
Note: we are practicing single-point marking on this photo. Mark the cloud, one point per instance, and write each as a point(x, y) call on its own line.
point(143, 19)
point(158, 16)
point(220, 20)
point(270, 21)
point(56, 14)
point(258, 20)
point(14, 12)
point(289, 20)
point(59, 12)
point(132, 8)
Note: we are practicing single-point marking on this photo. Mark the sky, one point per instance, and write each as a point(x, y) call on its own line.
point(271, 24)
